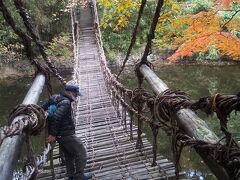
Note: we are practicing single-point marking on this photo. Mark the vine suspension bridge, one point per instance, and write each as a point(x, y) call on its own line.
point(104, 115)
point(111, 153)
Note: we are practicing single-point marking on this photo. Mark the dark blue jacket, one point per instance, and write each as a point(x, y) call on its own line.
point(61, 123)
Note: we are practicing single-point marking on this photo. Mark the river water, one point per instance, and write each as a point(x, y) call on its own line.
point(197, 81)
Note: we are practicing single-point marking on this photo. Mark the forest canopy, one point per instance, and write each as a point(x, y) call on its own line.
point(196, 30)
point(192, 29)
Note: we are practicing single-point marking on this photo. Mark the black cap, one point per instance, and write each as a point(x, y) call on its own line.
point(73, 88)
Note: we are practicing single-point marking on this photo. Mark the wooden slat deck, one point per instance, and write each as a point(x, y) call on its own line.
point(111, 154)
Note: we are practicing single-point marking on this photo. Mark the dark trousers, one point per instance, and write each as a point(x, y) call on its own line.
point(75, 155)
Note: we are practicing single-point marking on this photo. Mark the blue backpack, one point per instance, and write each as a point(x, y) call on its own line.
point(53, 107)
point(51, 110)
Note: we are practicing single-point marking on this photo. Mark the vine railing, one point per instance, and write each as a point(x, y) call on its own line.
point(173, 112)
point(28, 119)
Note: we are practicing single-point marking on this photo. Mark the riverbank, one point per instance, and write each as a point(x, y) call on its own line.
point(8, 72)
point(202, 63)
point(11, 73)
point(159, 64)
point(65, 66)
point(20, 68)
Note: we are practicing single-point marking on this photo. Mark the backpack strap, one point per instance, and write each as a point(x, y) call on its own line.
point(54, 101)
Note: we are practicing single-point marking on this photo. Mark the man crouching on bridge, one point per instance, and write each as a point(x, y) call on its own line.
point(61, 128)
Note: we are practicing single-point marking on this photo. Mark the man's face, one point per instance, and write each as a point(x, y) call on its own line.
point(74, 95)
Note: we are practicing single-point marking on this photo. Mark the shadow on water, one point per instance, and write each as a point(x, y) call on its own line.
point(196, 81)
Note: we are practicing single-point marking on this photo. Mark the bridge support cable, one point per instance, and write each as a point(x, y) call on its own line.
point(28, 24)
point(27, 40)
point(134, 34)
point(25, 37)
point(151, 32)
point(75, 36)
point(11, 147)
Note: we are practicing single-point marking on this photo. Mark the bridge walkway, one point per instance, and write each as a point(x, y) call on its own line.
point(111, 153)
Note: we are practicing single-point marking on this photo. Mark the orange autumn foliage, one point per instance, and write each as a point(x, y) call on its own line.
point(204, 31)
point(226, 3)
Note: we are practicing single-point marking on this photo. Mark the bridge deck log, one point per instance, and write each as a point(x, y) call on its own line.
point(189, 122)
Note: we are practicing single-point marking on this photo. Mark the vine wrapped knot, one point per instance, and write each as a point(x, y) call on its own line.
point(34, 118)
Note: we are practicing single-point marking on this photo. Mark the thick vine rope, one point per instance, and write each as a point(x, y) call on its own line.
point(151, 32)
point(26, 39)
point(28, 24)
point(27, 42)
point(134, 34)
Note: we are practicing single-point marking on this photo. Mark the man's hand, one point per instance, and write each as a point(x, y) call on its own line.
point(51, 139)
point(46, 113)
